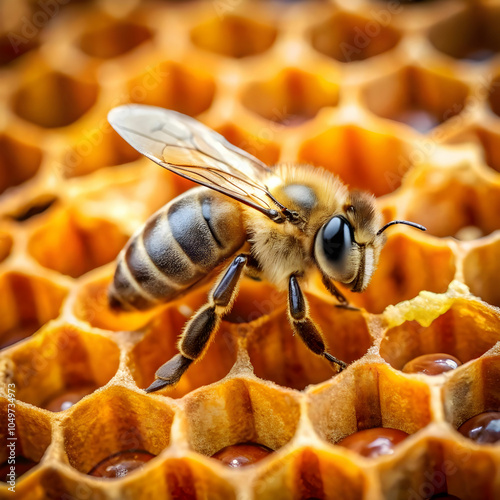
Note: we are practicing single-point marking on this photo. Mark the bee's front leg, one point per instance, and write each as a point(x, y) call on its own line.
point(343, 302)
point(201, 327)
point(304, 326)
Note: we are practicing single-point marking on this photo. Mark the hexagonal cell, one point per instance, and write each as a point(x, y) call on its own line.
point(19, 161)
point(241, 410)
point(418, 97)
point(6, 242)
point(173, 86)
point(363, 159)
point(61, 360)
point(278, 355)
point(408, 264)
point(24, 438)
point(311, 473)
point(467, 330)
point(92, 306)
point(494, 97)
point(470, 471)
point(15, 26)
point(177, 478)
point(291, 97)
point(35, 206)
point(372, 395)
point(28, 302)
point(234, 36)
point(348, 37)
point(260, 146)
point(115, 420)
point(73, 243)
point(481, 271)
point(471, 34)
point(160, 344)
point(54, 99)
point(96, 149)
point(434, 468)
point(488, 140)
point(107, 37)
point(449, 200)
point(472, 390)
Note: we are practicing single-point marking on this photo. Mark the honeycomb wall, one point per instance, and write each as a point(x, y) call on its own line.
point(397, 98)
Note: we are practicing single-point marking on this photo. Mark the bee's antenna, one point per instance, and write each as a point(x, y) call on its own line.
point(408, 223)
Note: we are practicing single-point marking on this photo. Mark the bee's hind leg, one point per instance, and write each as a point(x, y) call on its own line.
point(200, 328)
point(304, 326)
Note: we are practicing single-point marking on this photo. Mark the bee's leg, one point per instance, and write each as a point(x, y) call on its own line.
point(343, 302)
point(199, 329)
point(303, 325)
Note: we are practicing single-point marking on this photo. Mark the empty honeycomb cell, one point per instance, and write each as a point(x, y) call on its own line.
point(19, 161)
point(472, 390)
point(24, 438)
point(363, 159)
point(255, 299)
point(418, 97)
point(33, 207)
point(371, 395)
point(435, 468)
point(408, 264)
point(6, 242)
point(471, 472)
point(61, 359)
point(173, 86)
point(115, 420)
point(470, 34)
point(17, 36)
point(484, 284)
point(160, 344)
point(55, 99)
point(73, 243)
point(234, 36)
point(454, 199)
point(494, 97)
point(99, 148)
point(278, 355)
point(309, 473)
point(186, 478)
point(466, 330)
point(259, 145)
point(349, 37)
point(241, 410)
point(291, 97)
point(92, 306)
point(28, 302)
point(487, 139)
point(107, 38)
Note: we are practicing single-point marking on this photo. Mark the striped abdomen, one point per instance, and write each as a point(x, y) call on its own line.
point(178, 246)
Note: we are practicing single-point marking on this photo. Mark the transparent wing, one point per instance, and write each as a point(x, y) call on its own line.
point(188, 148)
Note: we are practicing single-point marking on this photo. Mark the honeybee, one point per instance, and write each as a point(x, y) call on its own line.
point(275, 224)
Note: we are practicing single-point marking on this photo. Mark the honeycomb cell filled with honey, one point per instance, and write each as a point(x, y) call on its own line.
point(399, 98)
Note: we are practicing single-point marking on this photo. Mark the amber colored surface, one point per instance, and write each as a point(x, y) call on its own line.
point(241, 455)
point(374, 442)
point(483, 428)
point(121, 464)
point(400, 99)
point(432, 364)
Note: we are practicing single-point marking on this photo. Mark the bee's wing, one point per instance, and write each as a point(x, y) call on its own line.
point(188, 148)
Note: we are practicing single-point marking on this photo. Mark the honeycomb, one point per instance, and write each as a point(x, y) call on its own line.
point(399, 98)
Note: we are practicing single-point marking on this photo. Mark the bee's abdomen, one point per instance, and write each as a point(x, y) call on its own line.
point(177, 247)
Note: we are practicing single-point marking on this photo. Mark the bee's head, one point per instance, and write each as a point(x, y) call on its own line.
point(347, 246)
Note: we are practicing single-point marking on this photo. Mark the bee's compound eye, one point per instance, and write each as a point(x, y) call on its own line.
point(337, 239)
point(334, 249)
